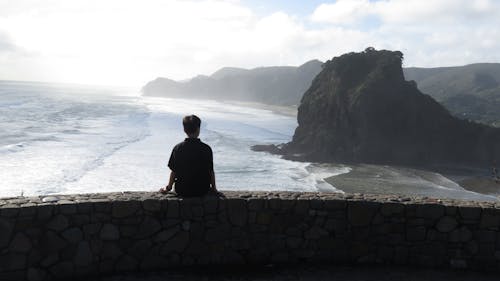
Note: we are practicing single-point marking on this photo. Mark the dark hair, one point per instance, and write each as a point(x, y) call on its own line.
point(191, 123)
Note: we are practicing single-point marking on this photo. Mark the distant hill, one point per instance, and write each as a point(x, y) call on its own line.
point(279, 85)
point(360, 108)
point(469, 92)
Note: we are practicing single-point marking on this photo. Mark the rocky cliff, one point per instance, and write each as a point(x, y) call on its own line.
point(360, 108)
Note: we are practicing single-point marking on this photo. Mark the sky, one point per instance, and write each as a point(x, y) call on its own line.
point(130, 42)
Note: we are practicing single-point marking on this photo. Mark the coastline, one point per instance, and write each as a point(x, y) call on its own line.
point(286, 110)
point(383, 179)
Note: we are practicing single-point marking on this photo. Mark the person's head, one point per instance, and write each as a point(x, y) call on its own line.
point(191, 125)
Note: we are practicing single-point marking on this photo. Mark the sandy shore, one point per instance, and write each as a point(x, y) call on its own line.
point(380, 179)
point(287, 110)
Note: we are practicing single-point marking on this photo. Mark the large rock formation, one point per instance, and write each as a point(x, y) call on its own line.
point(279, 85)
point(360, 108)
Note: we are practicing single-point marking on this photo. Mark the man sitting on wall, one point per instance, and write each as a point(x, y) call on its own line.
point(191, 163)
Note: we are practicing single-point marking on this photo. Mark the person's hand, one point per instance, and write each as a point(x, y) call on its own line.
point(166, 189)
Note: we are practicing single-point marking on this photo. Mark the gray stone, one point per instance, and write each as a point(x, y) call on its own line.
point(151, 205)
point(148, 227)
point(109, 232)
point(361, 213)
point(186, 225)
point(210, 205)
point(44, 212)
point(315, 232)
point(165, 235)
point(83, 256)
point(110, 250)
point(68, 209)
point(417, 233)
point(469, 213)
point(73, 235)
point(51, 242)
point(489, 220)
point(64, 269)
point(20, 243)
point(126, 263)
point(462, 234)
point(177, 244)
point(49, 260)
point(151, 262)
point(446, 224)
point(140, 248)
point(91, 229)
point(219, 233)
point(173, 209)
point(35, 274)
point(122, 209)
point(430, 211)
point(6, 229)
point(58, 223)
point(390, 209)
point(238, 213)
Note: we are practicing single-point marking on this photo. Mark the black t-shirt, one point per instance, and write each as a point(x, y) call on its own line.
point(192, 163)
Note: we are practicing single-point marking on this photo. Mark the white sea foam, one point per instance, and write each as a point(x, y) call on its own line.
point(63, 140)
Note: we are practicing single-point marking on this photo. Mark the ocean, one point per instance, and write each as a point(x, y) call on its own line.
point(59, 139)
point(66, 139)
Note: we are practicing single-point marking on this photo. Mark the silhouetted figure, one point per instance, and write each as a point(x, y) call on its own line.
point(191, 163)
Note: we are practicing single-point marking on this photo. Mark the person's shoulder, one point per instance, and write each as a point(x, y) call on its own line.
point(206, 146)
point(177, 146)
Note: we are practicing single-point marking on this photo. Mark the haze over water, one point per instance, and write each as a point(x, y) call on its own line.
point(65, 139)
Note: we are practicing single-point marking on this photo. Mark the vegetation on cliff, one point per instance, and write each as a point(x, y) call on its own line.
point(360, 108)
point(279, 85)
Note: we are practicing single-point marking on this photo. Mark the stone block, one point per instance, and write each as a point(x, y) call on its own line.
point(469, 213)
point(58, 223)
point(446, 224)
point(126, 264)
point(61, 270)
point(417, 233)
point(256, 204)
point(430, 211)
point(315, 233)
point(83, 255)
point(68, 209)
point(152, 262)
point(109, 232)
point(151, 205)
point(172, 209)
point(50, 242)
point(462, 234)
point(489, 220)
point(176, 245)
point(166, 234)
point(20, 243)
point(360, 213)
point(148, 227)
point(73, 235)
point(123, 209)
point(35, 274)
point(238, 213)
point(111, 251)
point(6, 229)
point(391, 209)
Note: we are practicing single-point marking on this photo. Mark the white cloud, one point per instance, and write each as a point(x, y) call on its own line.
point(131, 41)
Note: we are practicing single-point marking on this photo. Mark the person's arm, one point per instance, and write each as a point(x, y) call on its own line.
point(212, 180)
point(171, 181)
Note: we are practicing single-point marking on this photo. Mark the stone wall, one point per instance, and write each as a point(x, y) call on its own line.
point(98, 234)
